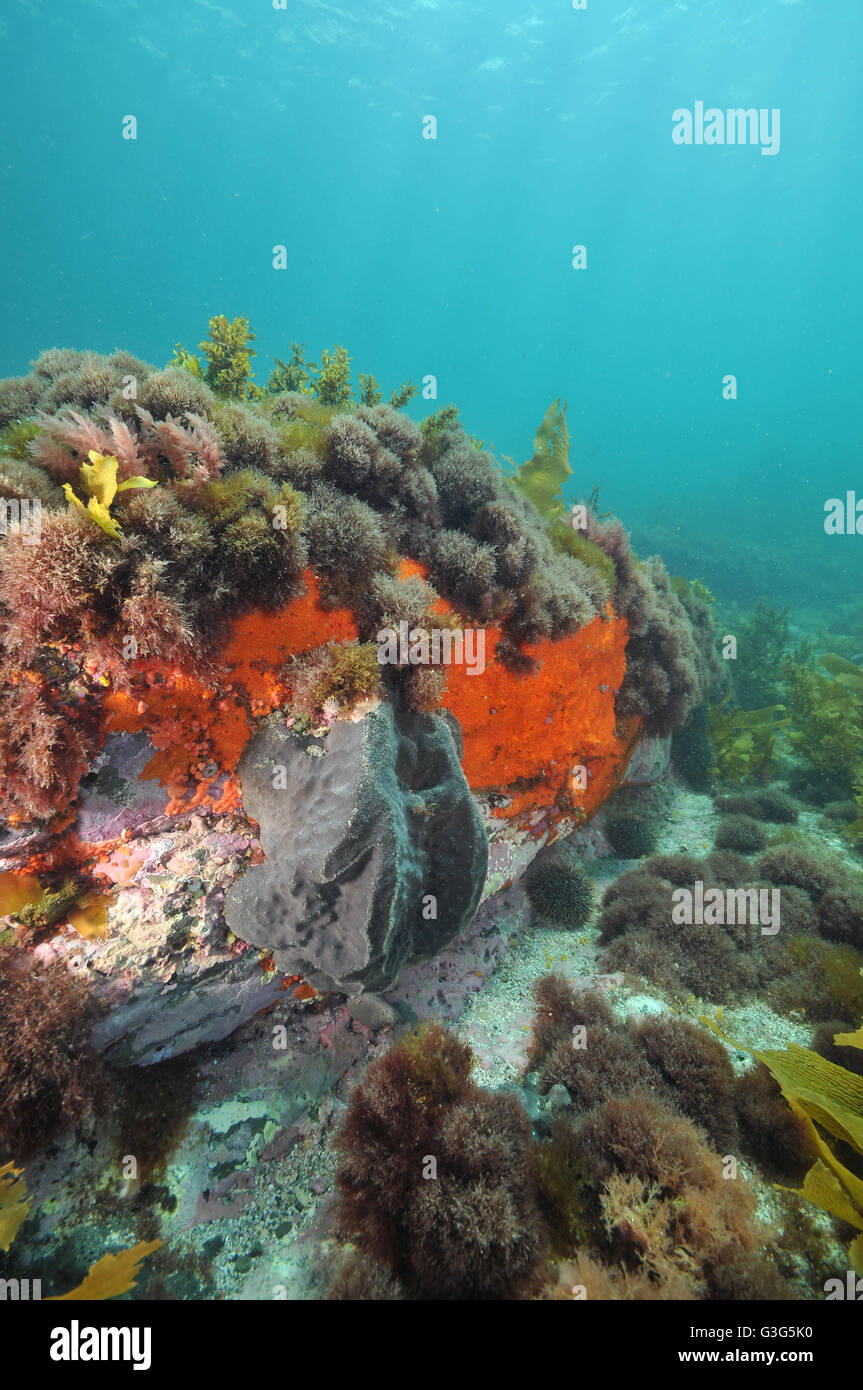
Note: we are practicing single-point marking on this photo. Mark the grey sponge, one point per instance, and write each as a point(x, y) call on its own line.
point(376, 853)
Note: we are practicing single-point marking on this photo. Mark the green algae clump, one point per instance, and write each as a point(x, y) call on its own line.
point(337, 677)
point(541, 480)
point(229, 357)
point(743, 740)
point(334, 378)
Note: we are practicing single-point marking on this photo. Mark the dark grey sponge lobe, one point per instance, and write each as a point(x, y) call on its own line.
point(368, 822)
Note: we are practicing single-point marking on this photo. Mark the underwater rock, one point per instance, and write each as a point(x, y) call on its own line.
point(167, 969)
point(166, 974)
point(376, 850)
point(558, 1097)
point(649, 762)
point(156, 1023)
point(512, 848)
point(372, 1010)
point(116, 796)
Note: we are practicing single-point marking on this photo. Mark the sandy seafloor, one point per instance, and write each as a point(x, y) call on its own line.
point(241, 1184)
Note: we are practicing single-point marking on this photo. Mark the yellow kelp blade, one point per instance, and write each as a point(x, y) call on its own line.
point(137, 481)
point(827, 1092)
point(89, 916)
point(848, 672)
point(95, 511)
point(849, 1039)
point(823, 1189)
point(103, 518)
point(18, 891)
point(70, 497)
point(110, 1276)
point(99, 477)
point(831, 1187)
point(14, 1203)
point(817, 1089)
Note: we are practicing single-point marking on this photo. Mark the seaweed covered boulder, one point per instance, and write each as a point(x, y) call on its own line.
point(376, 852)
point(203, 597)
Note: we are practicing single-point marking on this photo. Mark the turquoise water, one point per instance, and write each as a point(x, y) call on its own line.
point(303, 127)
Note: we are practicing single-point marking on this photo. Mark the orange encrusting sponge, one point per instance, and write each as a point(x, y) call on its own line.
point(524, 735)
point(527, 735)
point(199, 731)
point(261, 643)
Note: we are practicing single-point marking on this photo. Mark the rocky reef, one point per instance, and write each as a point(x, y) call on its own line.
point(215, 788)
